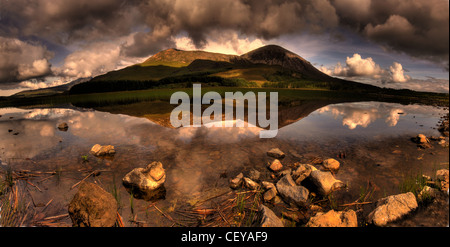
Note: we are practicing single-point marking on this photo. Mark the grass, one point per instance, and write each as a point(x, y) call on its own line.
point(413, 182)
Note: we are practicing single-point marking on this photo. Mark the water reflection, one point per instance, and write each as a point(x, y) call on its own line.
point(364, 120)
point(196, 158)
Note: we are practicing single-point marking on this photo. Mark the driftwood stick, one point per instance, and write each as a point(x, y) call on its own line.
point(355, 203)
point(75, 185)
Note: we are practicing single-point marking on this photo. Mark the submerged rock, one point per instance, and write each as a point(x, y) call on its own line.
point(291, 192)
point(146, 183)
point(93, 207)
point(99, 150)
point(63, 127)
point(267, 218)
point(392, 208)
point(276, 153)
point(334, 219)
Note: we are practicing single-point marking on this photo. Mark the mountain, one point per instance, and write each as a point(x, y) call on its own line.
point(268, 66)
point(50, 90)
point(178, 58)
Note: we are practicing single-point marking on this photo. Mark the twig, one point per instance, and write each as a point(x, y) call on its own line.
point(56, 217)
point(75, 185)
point(46, 205)
point(34, 185)
point(168, 216)
point(355, 203)
point(119, 220)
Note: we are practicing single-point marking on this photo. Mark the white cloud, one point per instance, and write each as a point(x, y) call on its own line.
point(398, 74)
point(358, 66)
point(96, 59)
point(226, 43)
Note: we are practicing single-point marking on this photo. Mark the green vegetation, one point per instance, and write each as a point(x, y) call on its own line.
point(413, 183)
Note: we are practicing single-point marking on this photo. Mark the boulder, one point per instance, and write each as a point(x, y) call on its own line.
point(291, 192)
point(325, 182)
point(146, 183)
point(334, 219)
point(392, 208)
point(236, 182)
point(331, 165)
point(99, 150)
point(93, 207)
point(275, 166)
point(267, 218)
point(275, 153)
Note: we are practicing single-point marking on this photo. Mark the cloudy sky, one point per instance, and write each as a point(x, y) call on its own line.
point(391, 43)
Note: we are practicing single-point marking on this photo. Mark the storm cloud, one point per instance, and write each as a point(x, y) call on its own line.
point(21, 60)
point(418, 28)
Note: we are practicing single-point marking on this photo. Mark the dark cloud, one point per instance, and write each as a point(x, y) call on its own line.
point(21, 61)
point(419, 28)
point(199, 18)
point(68, 21)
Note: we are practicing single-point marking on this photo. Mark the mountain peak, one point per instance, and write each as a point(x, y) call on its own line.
point(179, 58)
point(277, 55)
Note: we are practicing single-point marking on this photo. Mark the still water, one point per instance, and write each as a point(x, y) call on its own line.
point(199, 159)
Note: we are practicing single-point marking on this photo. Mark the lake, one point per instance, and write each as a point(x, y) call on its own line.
point(370, 139)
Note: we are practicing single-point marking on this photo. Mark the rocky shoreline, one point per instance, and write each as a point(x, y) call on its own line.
point(305, 190)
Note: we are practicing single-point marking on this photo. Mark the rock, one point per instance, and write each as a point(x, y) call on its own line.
point(267, 185)
point(270, 194)
point(392, 208)
point(99, 150)
point(334, 219)
point(292, 193)
point(442, 178)
point(254, 175)
point(427, 194)
point(325, 182)
point(236, 182)
point(63, 127)
point(146, 183)
point(250, 184)
point(267, 218)
point(331, 165)
point(270, 191)
point(303, 171)
point(285, 172)
point(275, 153)
point(420, 139)
point(275, 166)
point(93, 207)
point(443, 143)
